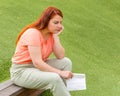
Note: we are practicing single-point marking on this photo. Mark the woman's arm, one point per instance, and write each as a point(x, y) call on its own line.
point(35, 54)
point(58, 48)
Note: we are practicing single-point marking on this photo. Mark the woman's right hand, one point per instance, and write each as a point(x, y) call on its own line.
point(66, 74)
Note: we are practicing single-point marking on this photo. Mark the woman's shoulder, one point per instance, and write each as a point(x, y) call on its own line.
point(32, 30)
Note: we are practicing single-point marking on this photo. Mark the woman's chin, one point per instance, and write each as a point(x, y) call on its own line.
point(56, 32)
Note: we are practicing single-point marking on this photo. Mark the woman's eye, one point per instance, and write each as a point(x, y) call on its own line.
point(55, 22)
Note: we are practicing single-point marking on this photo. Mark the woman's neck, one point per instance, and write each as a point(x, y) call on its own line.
point(45, 34)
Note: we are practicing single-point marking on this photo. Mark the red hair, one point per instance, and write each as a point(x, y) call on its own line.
point(42, 21)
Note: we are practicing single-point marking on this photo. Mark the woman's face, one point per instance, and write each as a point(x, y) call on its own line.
point(55, 24)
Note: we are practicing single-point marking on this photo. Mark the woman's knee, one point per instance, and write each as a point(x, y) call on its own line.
point(55, 77)
point(56, 80)
point(67, 60)
point(67, 63)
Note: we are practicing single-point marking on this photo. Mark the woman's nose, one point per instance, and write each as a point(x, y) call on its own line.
point(60, 26)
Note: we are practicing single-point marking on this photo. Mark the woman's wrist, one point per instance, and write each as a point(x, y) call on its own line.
point(55, 36)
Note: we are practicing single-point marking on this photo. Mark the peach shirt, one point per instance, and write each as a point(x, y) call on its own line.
point(32, 37)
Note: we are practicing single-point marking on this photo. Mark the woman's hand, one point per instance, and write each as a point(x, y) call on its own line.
point(58, 49)
point(56, 34)
point(66, 74)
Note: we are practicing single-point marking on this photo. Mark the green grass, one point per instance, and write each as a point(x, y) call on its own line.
point(91, 38)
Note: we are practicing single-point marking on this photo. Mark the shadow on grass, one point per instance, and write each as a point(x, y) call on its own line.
point(46, 93)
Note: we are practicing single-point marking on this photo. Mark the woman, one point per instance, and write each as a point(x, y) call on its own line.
point(31, 67)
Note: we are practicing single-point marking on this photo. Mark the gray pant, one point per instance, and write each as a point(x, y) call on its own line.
point(26, 75)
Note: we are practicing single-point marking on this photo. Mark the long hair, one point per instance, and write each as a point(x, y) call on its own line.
point(42, 22)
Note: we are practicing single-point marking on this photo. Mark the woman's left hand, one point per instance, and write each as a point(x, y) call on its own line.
point(59, 32)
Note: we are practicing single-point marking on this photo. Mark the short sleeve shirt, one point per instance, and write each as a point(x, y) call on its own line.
point(32, 37)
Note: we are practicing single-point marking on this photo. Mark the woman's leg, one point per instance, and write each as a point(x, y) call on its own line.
point(62, 64)
point(30, 77)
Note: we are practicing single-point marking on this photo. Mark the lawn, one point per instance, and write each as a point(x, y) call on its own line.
point(91, 38)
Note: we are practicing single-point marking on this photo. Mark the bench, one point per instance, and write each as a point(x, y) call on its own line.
point(8, 88)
